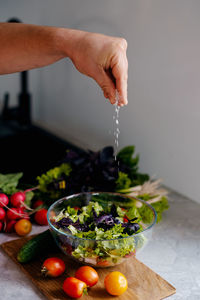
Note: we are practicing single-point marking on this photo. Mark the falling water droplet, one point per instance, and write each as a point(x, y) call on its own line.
point(116, 126)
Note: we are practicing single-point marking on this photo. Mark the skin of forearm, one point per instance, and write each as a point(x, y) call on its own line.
point(24, 47)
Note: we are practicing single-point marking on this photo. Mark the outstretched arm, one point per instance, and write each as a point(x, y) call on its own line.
point(101, 57)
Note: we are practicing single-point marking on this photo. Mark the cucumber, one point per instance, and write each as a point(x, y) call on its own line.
point(38, 245)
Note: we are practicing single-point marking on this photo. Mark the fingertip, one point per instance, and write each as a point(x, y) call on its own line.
point(126, 102)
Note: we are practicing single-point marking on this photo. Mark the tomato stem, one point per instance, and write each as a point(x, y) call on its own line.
point(44, 271)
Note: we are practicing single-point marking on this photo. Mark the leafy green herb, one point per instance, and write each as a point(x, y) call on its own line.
point(159, 206)
point(9, 182)
point(54, 174)
point(123, 181)
point(125, 157)
point(29, 197)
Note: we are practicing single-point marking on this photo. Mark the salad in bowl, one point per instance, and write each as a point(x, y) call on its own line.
point(100, 229)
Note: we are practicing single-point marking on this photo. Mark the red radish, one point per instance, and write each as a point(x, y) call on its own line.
point(2, 214)
point(10, 226)
point(1, 226)
point(25, 215)
point(17, 198)
point(3, 200)
point(37, 203)
point(14, 214)
point(41, 217)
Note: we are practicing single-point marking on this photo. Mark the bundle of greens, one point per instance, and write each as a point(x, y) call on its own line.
point(10, 184)
point(101, 171)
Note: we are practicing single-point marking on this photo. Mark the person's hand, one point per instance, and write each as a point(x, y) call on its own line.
point(104, 59)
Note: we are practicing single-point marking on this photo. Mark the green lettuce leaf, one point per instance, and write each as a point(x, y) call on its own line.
point(123, 181)
point(159, 207)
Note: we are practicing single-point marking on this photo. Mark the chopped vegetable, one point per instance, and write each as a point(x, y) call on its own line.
point(103, 226)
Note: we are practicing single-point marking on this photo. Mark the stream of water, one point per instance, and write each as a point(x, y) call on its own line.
point(116, 125)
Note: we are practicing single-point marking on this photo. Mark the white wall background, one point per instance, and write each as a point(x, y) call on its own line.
point(163, 115)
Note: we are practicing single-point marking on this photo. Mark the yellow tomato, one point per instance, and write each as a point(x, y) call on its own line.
point(23, 227)
point(115, 283)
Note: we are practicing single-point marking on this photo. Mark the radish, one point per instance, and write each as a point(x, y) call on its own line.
point(14, 214)
point(10, 226)
point(3, 200)
point(1, 226)
point(17, 198)
point(2, 214)
point(37, 203)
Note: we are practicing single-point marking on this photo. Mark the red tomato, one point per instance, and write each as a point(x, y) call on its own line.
point(3, 200)
point(53, 267)
point(74, 287)
point(125, 219)
point(41, 217)
point(37, 203)
point(17, 199)
point(102, 263)
point(76, 207)
point(2, 214)
point(130, 254)
point(88, 275)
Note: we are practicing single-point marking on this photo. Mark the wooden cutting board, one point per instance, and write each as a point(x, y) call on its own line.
point(143, 283)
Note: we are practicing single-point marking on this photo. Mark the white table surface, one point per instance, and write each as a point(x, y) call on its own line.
point(174, 253)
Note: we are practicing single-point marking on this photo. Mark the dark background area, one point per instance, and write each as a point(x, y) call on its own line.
point(23, 146)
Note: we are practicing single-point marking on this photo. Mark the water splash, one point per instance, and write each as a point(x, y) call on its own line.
point(116, 125)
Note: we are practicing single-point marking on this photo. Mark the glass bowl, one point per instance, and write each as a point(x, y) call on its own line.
point(106, 252)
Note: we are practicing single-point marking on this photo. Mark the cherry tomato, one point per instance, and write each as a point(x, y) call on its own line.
point(102, 263)
point(2, 214)
point(88, 275)
point(125, 219)
point(53, 267)
point(41, 217)
point(130, 254)
point(37, 203)
point(3, 200)
point(76, 208)
point(115, 283)
point(14, 213)
point(74, 287)
point(17, 198)
point(23, 227)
